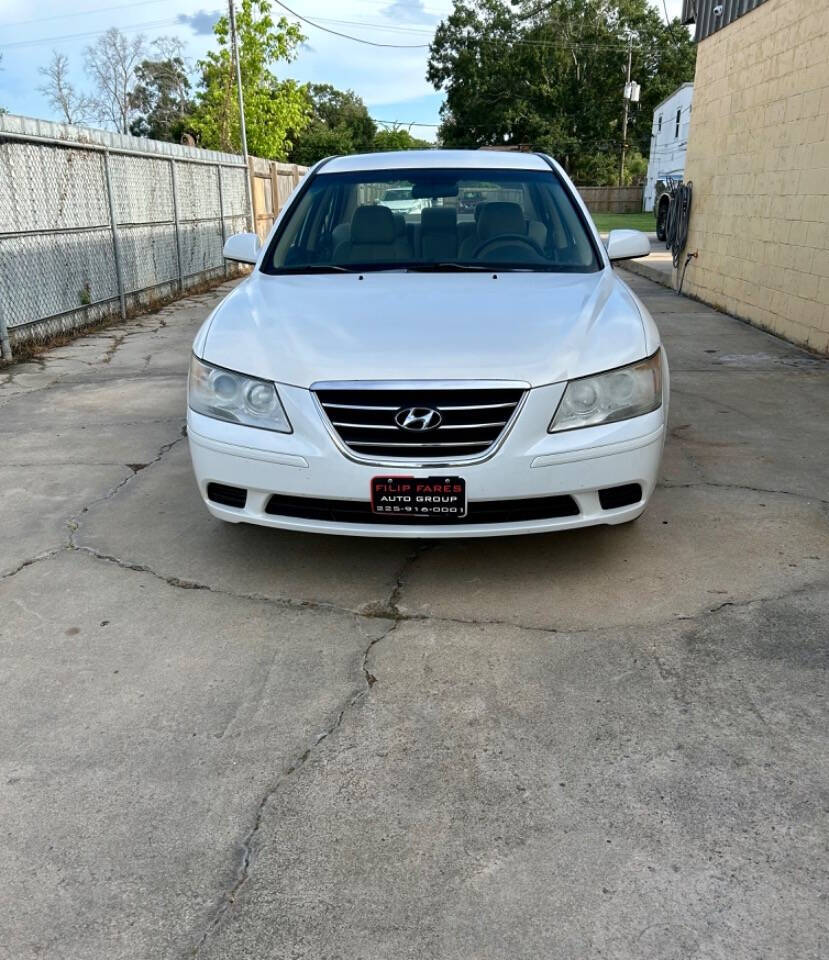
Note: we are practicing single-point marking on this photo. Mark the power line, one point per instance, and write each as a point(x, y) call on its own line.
point(390, 27)
point(83, 36)
point(317, 23)
point(347, 36)
point(81, 13)
point(404, 123)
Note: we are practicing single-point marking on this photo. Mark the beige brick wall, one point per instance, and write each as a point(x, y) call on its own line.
point(758, 154)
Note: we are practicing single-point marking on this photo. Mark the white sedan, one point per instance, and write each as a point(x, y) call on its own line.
point(401, 201)
point(471, 377)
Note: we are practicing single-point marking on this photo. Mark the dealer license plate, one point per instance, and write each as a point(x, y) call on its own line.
point(433, 498)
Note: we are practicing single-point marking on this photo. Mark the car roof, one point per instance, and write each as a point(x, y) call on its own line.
point(435, 159)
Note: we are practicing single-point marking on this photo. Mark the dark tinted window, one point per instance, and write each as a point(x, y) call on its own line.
point(433, 219)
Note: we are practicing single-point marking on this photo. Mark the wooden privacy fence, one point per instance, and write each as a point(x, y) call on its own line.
point(271, 185)
point(612, 199)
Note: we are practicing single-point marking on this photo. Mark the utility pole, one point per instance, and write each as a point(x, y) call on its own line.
point(234, 48)
point(625, 116)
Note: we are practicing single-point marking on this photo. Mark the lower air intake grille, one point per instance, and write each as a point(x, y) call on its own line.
point(478, 511)
point(227, 496)
point(442, 423)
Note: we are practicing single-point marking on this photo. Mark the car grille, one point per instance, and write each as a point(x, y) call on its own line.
point(478, 511)
point(472, 420)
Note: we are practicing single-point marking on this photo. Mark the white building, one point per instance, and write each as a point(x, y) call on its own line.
point(669, 140)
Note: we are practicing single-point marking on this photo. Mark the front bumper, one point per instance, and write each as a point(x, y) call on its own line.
point(529, 463)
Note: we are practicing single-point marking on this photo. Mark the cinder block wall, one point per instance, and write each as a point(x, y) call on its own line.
point(758, 154)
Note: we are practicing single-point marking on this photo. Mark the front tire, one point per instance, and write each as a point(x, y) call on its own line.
point(662, 222)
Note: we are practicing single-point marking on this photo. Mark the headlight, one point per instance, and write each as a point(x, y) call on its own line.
point(606, 397)
point(231, 396)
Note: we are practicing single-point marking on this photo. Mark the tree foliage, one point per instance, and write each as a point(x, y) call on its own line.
point(398, 139)
point(551, 75)
point(339, 124)
point(273, 108)
point(161, 96)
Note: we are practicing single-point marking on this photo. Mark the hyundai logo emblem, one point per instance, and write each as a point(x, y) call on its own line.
point(418, 419)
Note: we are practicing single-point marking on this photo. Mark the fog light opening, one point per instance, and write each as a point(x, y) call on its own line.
point(612, 498)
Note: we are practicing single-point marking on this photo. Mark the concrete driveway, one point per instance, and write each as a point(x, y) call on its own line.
point(228, 742)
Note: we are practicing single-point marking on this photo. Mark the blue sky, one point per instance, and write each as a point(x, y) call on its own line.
point(391, 81)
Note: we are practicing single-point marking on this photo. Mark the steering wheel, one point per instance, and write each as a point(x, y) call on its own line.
point(505, 239)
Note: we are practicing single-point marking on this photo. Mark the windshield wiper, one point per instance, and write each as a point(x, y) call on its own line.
point(448, 266)
point(316, 268)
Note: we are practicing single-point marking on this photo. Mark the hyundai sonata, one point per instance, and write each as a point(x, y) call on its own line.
point(457, 372)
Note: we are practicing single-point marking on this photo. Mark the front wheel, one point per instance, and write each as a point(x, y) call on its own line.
point(662, 222)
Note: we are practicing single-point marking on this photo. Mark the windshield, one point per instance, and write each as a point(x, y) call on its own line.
point(397, 195)
point(446, 220)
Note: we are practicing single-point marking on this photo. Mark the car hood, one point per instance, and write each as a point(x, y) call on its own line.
point(534, 327)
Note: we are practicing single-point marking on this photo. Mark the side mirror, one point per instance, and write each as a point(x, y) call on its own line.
point(243, 247)
point(627, 244)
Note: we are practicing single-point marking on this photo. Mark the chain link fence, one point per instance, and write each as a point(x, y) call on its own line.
point(94, 224)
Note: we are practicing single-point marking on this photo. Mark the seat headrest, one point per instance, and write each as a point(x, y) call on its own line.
point(399, 224)
point(443, 219)
point(500, 217)
point(372, 224)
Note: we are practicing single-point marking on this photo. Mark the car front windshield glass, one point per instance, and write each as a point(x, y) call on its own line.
point(441, 220)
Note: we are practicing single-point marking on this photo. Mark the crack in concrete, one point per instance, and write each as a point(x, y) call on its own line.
point(47, 555)
point(740, 486)
point(66, 463)
point(248, 850)
point(73, 523)
point(112, 349)
point(389, 609)
point(70, 380)
point(284, 603)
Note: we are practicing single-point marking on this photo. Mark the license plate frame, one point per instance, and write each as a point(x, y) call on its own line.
point(438, 498)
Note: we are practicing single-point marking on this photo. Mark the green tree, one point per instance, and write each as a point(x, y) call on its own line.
point(162, 94)
point(339, 124)
point(551, 75)
point(397, 139)
point(273, 108)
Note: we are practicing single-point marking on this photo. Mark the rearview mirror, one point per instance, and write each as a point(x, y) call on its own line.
point(434, 191)
point(627, 244)
point(243, 247)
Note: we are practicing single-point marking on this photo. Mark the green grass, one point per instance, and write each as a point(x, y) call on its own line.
point(605, 222)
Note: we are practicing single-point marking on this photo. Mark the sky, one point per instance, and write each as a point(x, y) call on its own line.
point(391, 81)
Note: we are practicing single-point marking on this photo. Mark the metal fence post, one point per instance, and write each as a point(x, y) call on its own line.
point(251, 183)
point(222, 212)
point(5, 343)
point(179, 260)
point(116, 242)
